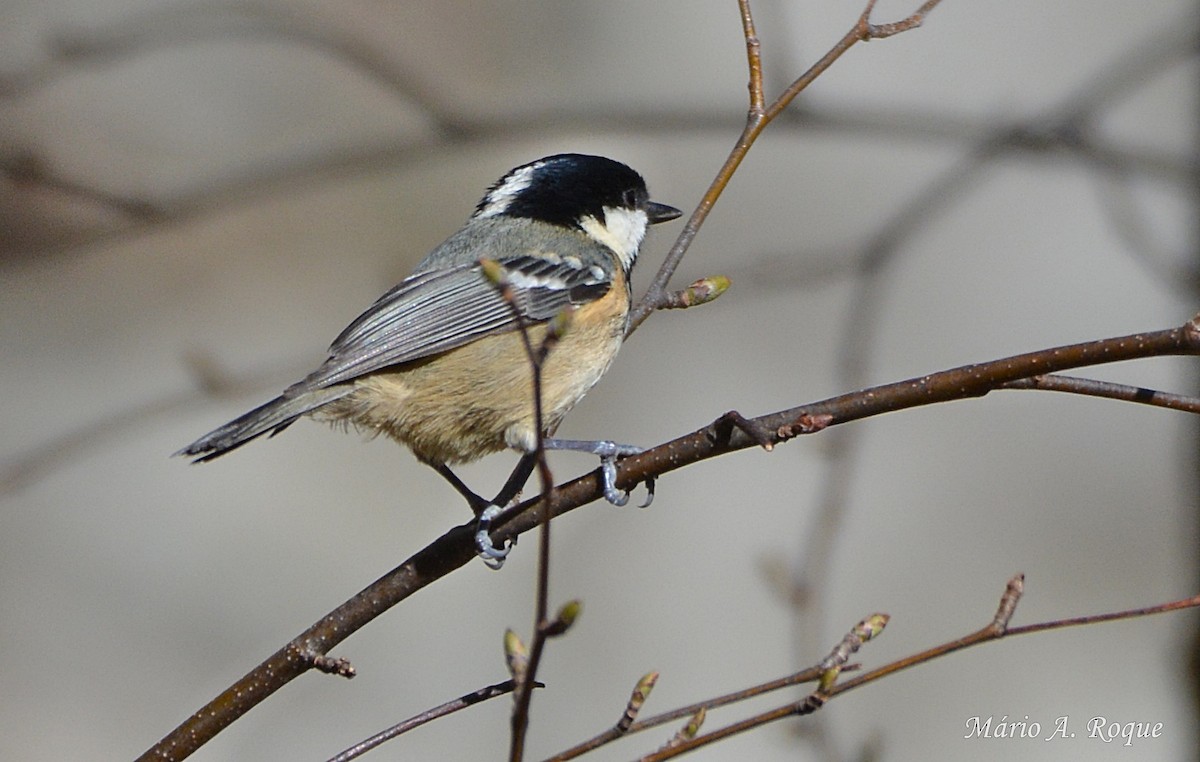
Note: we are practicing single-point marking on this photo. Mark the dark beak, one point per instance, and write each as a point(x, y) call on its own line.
point(657, 212)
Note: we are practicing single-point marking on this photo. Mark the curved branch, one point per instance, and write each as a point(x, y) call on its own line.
point(456, 547)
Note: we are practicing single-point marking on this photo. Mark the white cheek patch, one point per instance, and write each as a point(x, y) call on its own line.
point(501, 197)
point(622, 231)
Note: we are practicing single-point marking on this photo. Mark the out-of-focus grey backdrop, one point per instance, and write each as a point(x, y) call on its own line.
point(195, 197)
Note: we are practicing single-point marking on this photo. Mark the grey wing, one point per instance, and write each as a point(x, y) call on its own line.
point(438, 310)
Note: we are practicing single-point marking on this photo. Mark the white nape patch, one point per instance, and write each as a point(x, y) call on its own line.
point(499, 198)
point(622, 231)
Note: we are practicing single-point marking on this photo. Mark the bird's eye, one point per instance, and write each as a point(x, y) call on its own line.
point(630, 198)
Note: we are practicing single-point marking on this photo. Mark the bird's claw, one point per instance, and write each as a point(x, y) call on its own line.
point(609, 452)
point(493, 556)
point(649, 493)
point(608, 478)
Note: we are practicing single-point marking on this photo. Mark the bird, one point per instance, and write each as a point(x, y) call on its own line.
point(439, 363)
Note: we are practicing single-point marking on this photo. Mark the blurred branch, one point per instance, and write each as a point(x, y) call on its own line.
point(147, 30)
point(27, 170)
point(1129, 218)
point(255, 179)
point(153, 28)
point(1071, 128)
point(212, 381)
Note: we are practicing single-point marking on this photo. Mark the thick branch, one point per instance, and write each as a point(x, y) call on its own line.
point(456, 547)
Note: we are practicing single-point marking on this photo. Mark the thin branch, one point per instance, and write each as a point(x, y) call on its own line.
point(836, 660)
point(1092, 388)
point(753, 59)
point(997, 629)
point(450, 707)
point(527, 676)
point(624, 725)
point(524, 694)
point(757, 119)
point(808, 675)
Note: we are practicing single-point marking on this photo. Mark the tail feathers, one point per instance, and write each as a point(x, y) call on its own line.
point(273, 417)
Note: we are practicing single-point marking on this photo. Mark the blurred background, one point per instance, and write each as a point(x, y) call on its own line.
point(195, 197)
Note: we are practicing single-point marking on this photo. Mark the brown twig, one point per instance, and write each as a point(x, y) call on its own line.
point(450, 707)
point(837, 660)
point(803, 676)
point(996, 629)
point(527, 676)
point(825, 672)
point(758, 116)
point(999, 628)
point(1090, 387)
